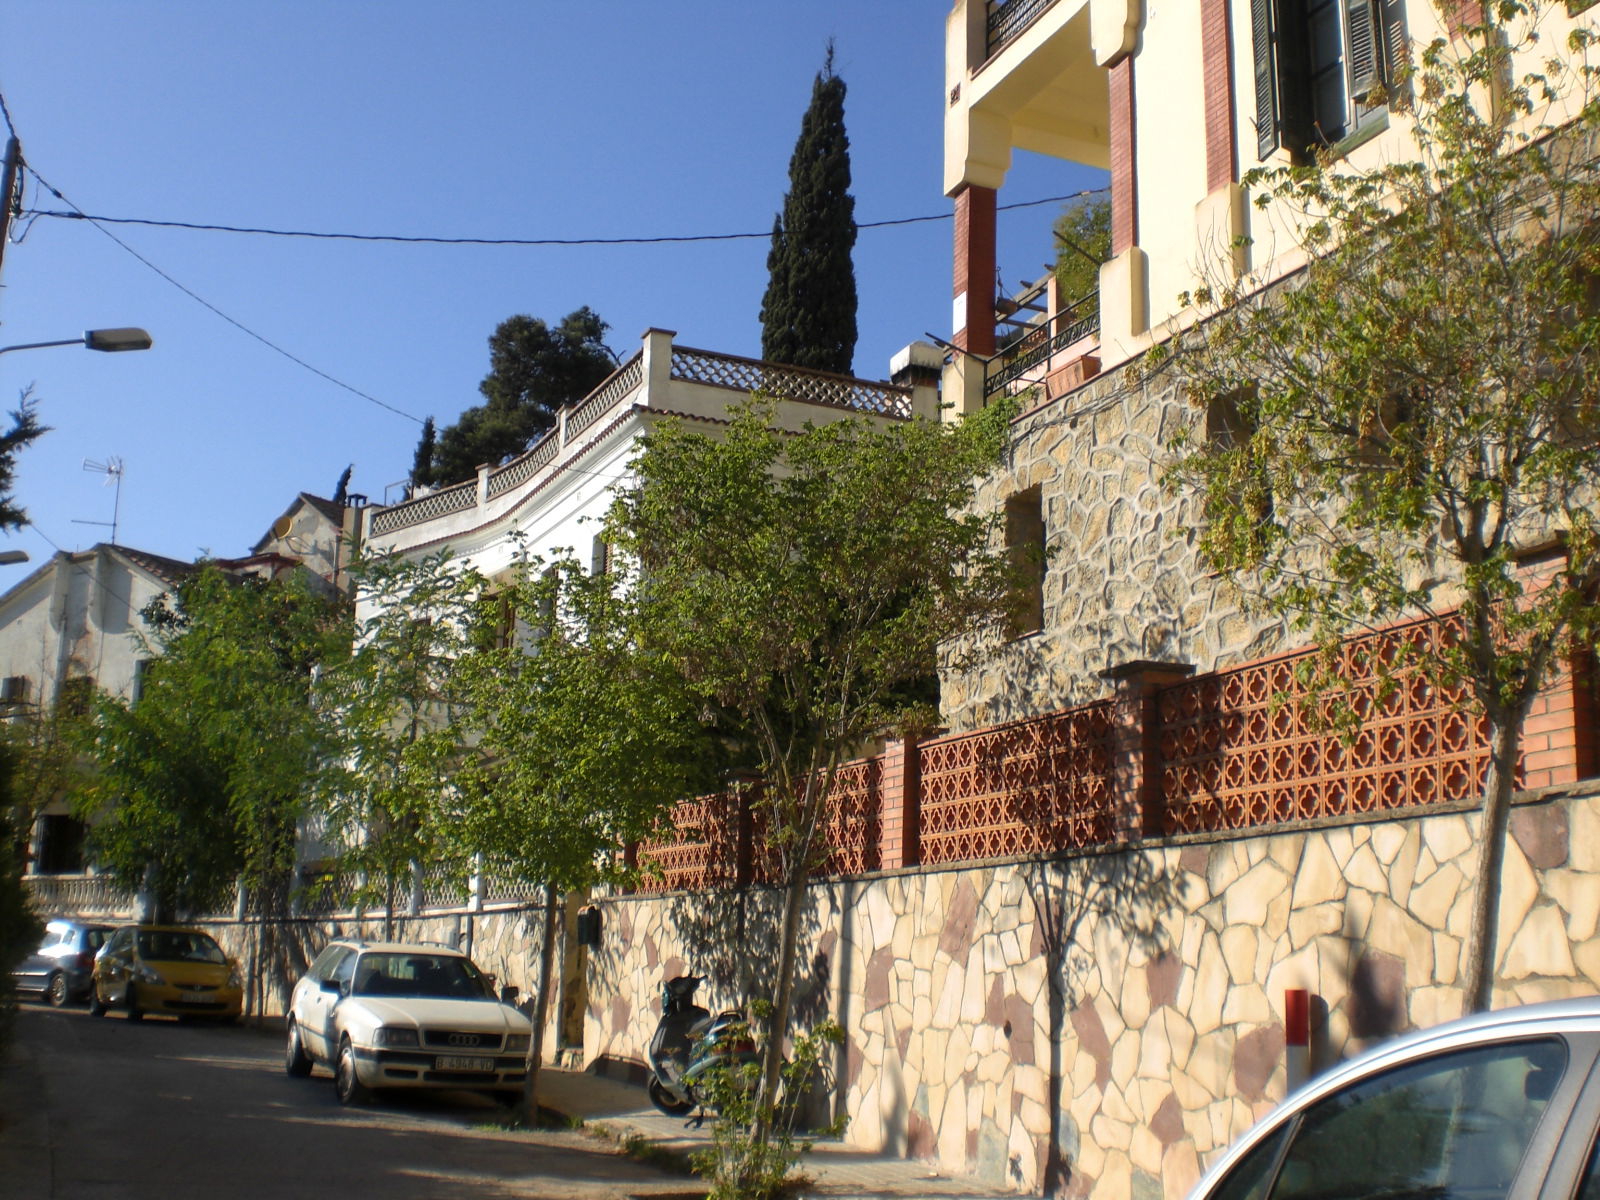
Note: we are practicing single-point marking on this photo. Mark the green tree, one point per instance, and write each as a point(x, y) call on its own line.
point(342, 488)
point(1420, 403)
point(808, 314)
point(394, 708)
point(802, 584)
point(585, 738)
point(25, 429)
point(1083, 243)
point(534, 370)
point(201, 783)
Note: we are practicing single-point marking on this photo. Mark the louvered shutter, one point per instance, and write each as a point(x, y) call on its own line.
point(1361, 50)
point(1267, 116)
point(1396, 42)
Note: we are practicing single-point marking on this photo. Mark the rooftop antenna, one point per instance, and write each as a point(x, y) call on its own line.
point(112, 470)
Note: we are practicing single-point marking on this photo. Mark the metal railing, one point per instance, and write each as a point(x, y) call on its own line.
point(1037, 345)
point(1008, 18)
point(791, 383)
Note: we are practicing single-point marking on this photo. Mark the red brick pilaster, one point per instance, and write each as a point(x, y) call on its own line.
point(900, 794)
point(1124, 196)
point(1136, 753)
point(974, 270)
point(1216, 49)
point(1459, 14)
point(1557, 738)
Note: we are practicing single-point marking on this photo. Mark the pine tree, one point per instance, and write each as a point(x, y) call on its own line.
point(808, 315)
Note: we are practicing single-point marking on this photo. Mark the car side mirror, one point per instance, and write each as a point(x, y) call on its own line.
point(334, 986)
point(509, 994)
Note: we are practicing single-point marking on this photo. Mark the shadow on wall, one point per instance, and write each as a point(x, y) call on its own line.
point(1072, 900)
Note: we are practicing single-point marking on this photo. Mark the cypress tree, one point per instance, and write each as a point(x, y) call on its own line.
point(808, 315)
point(342, 489)
point(422, 465)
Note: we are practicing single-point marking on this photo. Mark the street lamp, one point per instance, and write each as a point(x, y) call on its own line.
point(7, 557)
point(110, 341)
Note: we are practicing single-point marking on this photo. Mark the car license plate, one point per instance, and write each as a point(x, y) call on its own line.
point(453, 1062)
point(194, 998)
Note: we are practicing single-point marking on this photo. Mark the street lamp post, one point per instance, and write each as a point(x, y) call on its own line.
point(110, 341)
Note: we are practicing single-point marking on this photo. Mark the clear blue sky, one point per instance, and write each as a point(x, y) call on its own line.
point(484, 118)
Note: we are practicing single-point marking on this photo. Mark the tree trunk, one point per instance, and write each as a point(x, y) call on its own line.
point(794, 896)
point(528, 1113)
point(1505, 741)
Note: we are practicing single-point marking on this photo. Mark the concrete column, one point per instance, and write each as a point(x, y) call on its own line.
point(1137, 746)
point(485, 468)
point(657, 366)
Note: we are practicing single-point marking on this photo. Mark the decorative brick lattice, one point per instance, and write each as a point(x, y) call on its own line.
point(623, 380)
point(854, 822)
point(414, 512)
point(1025, 788)
point(790, 383)
point(698, 846)
point(1238, 748)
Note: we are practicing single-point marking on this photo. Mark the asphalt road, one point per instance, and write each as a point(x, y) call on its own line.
point(108, 1109)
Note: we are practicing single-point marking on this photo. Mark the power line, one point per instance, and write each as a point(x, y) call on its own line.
point(435, 240)
point(201, 300)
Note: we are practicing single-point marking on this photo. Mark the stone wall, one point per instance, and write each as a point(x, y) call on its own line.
point(1122, 580)
point(1124, 1007)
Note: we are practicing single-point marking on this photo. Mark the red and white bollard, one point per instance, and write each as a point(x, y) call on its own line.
point(1297, 1036)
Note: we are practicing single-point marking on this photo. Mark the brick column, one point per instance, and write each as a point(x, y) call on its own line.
point(973, 317)
point(1136, 769)
point(1216, 49)
point(900, 799)
point(1558, 737)
point(1124, 195)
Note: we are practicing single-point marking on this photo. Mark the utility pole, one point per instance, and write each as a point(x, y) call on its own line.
point(8, 191)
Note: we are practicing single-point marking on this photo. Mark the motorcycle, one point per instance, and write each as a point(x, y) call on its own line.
point(689, 1045)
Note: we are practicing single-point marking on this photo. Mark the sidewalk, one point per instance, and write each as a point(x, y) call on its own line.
point(839, 1170)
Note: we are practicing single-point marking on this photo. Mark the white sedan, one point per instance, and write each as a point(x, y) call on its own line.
point(393, 1015)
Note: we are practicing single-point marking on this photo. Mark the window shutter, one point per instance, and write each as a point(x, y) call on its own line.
point(1396, 42)
point(1267, 117)
point(1361, 48)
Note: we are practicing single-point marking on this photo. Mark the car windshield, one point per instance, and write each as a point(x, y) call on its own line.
point(402, 974)
point(178, 945)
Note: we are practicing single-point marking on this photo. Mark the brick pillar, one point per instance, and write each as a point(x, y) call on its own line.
point(744, 862)
point(973, 316)
point(1459, 14)
point(1216, 49)
point(900, 799)
point(1124, 196)
point(1136, 751)
point(1557, 739)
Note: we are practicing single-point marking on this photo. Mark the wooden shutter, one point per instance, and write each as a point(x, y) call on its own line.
point(1396, 43)
point(1266, 65)
point(1361, 50)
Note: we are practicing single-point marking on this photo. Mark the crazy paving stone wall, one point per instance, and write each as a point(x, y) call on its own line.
point(1125, 1008)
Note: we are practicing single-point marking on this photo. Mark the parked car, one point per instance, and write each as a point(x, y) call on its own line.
point(1496, 1105)
point(165, 969)
point(402, 1015)
point(60, 970)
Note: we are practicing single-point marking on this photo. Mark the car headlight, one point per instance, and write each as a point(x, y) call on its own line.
point(518, 1042)
point(146, 975)
point(235, 980)
point(393, 1035)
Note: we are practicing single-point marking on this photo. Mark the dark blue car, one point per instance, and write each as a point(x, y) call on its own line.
point(60, 970)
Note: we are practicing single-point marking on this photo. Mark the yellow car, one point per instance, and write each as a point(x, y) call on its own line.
point(165, 969)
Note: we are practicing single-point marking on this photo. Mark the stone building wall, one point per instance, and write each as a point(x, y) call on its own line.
point(1127, 1006)
point(1122, 580)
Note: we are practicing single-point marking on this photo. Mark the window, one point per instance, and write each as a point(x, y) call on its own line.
point(1456, 1124)
point(76, 696)
point(1324, 69)
point(14, 689)
point(600, 557)
point(1025, 551)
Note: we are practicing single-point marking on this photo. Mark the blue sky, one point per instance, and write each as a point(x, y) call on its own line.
point(482, 118)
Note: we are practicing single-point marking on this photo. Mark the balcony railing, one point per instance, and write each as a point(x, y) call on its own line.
point(1042, 342)
point(1008, 18)
point(790, 383)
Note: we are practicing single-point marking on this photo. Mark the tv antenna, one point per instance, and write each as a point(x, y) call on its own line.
point(112, 470)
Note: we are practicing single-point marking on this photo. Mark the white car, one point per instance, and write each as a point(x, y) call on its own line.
point(400, 1015)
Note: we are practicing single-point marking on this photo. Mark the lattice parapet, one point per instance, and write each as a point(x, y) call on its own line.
point(520, 470)
point(414, 512)
point(1240, 749)
point(625, 380)
point(1029, 787)
point(697, 847)
point(790, 383)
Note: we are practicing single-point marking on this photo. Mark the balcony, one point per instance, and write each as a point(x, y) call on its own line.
point(1006, 19)
point(1034, 346)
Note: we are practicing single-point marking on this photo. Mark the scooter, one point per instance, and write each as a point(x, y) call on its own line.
point(689, 1044)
